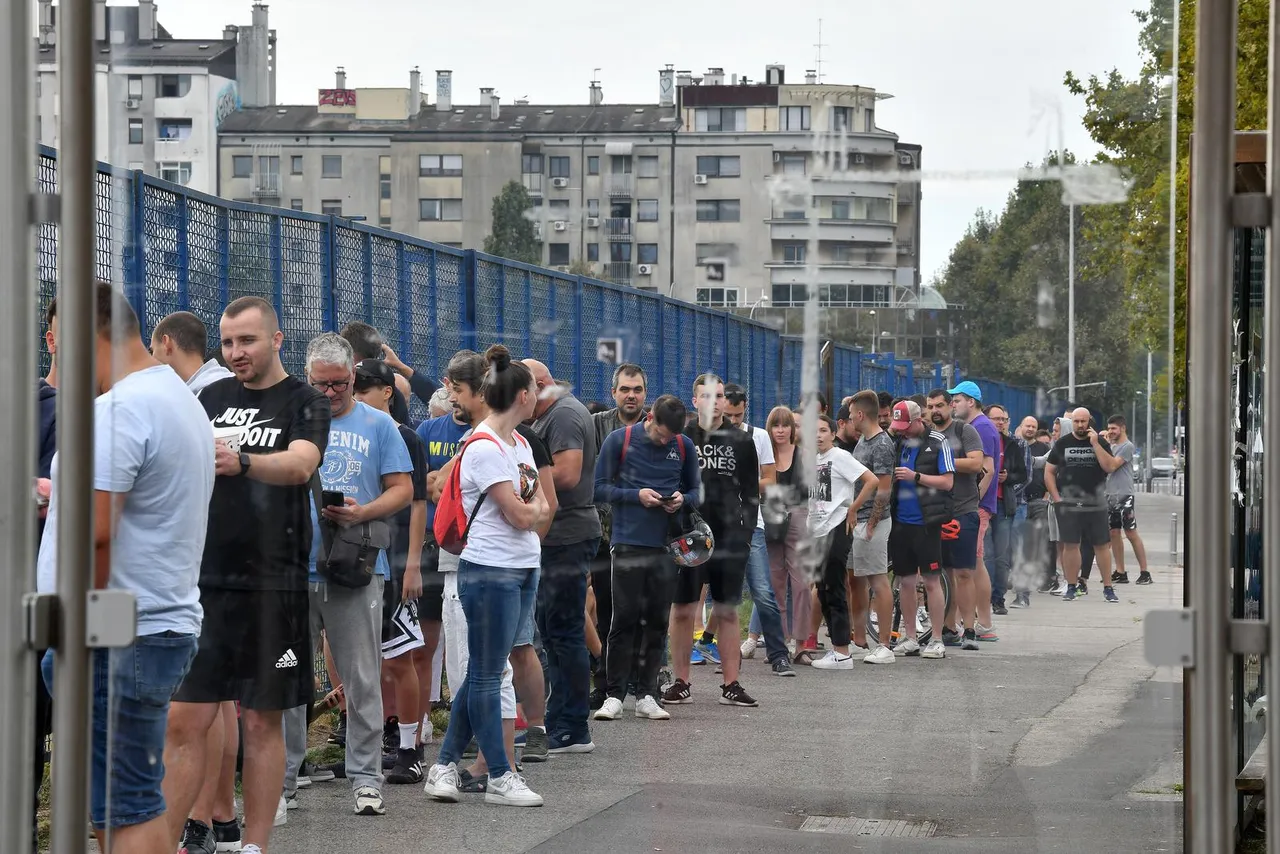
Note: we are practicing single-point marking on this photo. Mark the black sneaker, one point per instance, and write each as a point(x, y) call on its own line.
point(969, 641)
point(389, 759)
point(596, 699)
point(1047, 586)
point(782, 667)
point(1119, 578)
point(312, 774)
point(391, 735)
point(1144, 578)
point(998, 608)
point(407, 768)
point(678, 694)
point(337, 769)
point(441, 705)
point(198, 838)
point(535, 745)
point(472, 785)
point(1081, 588)
point(950, 638)
point(733, 694)
point(1021, 600)
point(339, 735)
point(227, 835)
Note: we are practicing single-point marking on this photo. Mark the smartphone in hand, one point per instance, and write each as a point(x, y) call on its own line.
point(333, 498)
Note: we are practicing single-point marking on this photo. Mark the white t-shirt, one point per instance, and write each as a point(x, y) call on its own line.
point(764, 454)
point(492, 465)
point(834, 490)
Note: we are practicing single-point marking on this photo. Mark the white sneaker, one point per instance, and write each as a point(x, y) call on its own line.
point(854, 649)
point(251, 849)
point(935, 649)
point(442, 783)
point(610, 711)
point(834, 661)
point(748, 649)
point(791, 649)
point(647, 707)
point(511, 790)
point(282, 813)
point(1059, 588)
point(760, 642)
point(369, 801)
point(908, 646)
point(880, 655)
point(291, 801)
point(426, 733)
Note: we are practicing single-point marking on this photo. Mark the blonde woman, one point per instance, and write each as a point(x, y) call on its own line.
point(784, 536)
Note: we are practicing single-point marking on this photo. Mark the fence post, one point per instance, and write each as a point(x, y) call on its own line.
point(468, 287)
point(137, 283)
point(331, 271)
point(184, 262)
point(276, 250)
point(366, 274)
point(404, 304)
point(577, 332)
point(528, 315)
point(224, 258)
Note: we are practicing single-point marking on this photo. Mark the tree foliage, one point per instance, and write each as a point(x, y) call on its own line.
point(581, 267)
point(512, 235)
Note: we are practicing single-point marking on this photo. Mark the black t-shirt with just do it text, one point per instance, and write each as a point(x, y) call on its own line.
point(259, 535)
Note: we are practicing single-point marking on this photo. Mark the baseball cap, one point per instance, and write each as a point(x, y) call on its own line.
point(843, 414)
point(904, 412)
point(968, 388)
point(372, 372)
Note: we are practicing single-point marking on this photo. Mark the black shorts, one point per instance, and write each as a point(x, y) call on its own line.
point(1121, 514)
point(256, 648)
point(914, 549)
point(431, 602)
point(725, 572)
point(1078, 525)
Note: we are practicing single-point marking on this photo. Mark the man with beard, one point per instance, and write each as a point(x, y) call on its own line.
point(966, 405)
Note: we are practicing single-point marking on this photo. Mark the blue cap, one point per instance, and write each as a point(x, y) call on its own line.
point(968, 388)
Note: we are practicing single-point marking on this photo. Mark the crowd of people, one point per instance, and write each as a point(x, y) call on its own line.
point(551, 560)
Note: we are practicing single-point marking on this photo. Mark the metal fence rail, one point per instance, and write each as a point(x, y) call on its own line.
point(174, 249)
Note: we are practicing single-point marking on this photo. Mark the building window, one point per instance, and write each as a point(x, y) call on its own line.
point(793, 164)
point(647, 167)
point(531, 164)
point(558, 254)
point(593, 252)
point(718, 297)
point(295, 164)
point(269, 165)
point(558, 166)
point(620, 253)
point(135, 131)
point(593, 165)
point(717, 251)
point(173, 129)
point(135, 86)
point(295, 204)
point(717, 119)
point(784, 295)
point(174, 85)
point(794, 253)
point(719, 210)
point(840, 210)
point(331, 207)
point(880, 210)
point(793, 118)
point(593, 207)
point(440, 210)
point(620, 164)
point(647, 210)
point(720, 167)
point(384, 177)
point(438, 165)
point(794, 214)
point(869, 120)
point(331, 166)
point(241, 166)
point(841, 118)
point(178, 173)
point(558, 210)
point(647, 253)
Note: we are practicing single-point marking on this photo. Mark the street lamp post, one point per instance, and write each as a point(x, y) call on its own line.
point(763, 299)
point(875, 339)
point(1071, 301)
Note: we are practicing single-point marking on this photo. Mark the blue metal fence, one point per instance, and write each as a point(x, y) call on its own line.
point(174, 249)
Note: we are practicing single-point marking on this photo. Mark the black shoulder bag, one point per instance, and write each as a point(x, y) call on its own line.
point(348, 557)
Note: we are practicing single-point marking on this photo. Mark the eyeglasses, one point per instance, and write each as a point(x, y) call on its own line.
point(338, 386)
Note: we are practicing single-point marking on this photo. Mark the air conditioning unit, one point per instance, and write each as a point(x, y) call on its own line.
point(644, 270)
point(858, 158)
point(593, 222)
point(133, 103)
point(560, 183)
point(561, 225)
point(904, 158)
point(699, 179)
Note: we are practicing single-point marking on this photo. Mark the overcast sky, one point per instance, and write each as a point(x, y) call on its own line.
point(977, 83)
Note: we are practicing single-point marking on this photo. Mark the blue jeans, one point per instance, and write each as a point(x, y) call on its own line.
point(493, 601)
point(131, 692)
point(765, 608)
point(561, 617)
point(1000, 548)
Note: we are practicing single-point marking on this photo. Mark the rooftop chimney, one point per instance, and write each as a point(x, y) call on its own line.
point(147, 27)
point(597, 94)
point(810, 76)
point(684, 78)
point(715, 77)
point(667, 87)
point(444, 91)
point(99, 20)
point(775, 75)
point(229, 32)
point(415, 92)
point(340, 78)
point(46, 22)
point(494, 105)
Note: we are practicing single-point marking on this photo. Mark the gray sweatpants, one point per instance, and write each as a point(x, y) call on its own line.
point(352, 622)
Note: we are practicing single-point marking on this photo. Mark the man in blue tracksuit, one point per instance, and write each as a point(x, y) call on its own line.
point(646, 472)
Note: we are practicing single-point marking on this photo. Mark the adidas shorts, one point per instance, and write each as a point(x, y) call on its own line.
point(401, 631)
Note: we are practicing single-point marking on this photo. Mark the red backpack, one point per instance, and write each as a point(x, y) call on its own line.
point(452, 523)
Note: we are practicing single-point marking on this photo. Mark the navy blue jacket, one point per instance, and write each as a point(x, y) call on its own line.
point(648, 466)
point(47, 438)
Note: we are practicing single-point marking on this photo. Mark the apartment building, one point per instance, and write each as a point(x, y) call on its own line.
point(713, 194)
point(160, 99)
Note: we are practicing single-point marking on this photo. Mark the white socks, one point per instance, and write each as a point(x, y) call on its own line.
point(409, 736)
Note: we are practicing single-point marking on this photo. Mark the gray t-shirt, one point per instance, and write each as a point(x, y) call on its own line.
point(963, 438)
point(568, 426)
point(879, 456)
point(1120, 481)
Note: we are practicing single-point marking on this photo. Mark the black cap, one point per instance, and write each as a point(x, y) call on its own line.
point(843, 413)
point(374, 372)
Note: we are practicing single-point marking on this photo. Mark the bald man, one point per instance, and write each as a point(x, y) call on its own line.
point(568, 430)
point(1075, 476)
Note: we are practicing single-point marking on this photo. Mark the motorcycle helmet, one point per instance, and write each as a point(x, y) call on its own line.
point(693, 546)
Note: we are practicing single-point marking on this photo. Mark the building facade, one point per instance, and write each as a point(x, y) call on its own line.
point(160, 99)
point(716, 194)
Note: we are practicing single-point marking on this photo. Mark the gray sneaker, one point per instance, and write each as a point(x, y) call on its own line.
point(535, 745)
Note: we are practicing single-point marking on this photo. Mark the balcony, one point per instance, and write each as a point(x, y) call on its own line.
point(618, 272)
point(781, 273)
point(618, 184)
point(838, 186)
point(618, 229)
point(266, 185)
point(876, 144)
point(847, 230)
point(532, 182)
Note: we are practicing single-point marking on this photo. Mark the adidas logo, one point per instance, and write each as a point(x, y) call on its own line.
point(287, 660)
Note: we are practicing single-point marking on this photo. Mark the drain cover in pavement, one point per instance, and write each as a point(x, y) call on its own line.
point(854, 826)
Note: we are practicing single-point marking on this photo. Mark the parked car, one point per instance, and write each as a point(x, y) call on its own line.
point(1162, 467)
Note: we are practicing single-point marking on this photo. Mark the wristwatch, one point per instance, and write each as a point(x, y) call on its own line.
point(917, 477)
point(244, 463)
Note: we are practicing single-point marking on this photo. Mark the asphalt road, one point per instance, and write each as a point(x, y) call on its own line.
point(1059, 737)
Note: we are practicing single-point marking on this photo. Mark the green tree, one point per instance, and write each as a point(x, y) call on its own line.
point(512, 234)
point(581, 267)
